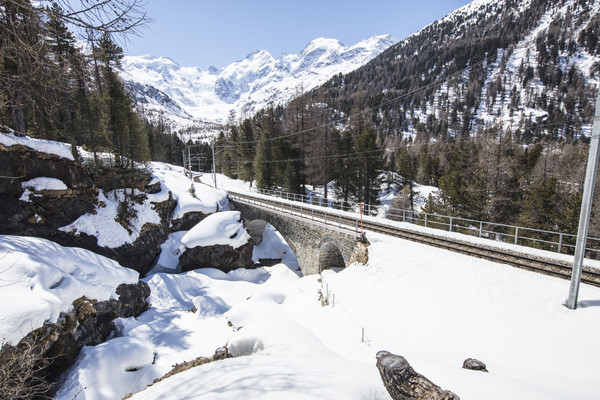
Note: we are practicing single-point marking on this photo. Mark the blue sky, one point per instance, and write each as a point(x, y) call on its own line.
point(202, 33)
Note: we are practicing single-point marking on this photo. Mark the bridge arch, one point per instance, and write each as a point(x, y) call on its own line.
point(316, 245)
point(330, 255)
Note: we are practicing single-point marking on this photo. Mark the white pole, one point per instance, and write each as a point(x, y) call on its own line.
point(586, 209)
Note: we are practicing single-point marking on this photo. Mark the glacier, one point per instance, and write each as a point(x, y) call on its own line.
point(187, 95)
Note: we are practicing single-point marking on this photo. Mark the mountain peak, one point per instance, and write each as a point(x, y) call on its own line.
point(256, 54)
point(246, 85)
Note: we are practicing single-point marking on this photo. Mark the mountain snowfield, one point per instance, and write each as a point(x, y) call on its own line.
point(188, 94)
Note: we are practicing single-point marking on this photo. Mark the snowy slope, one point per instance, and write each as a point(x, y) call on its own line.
point(520, 100)
point(527, 66)
point(432, 306)
point(245, 86)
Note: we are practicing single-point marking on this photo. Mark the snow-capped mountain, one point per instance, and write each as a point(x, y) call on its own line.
point(159, 84)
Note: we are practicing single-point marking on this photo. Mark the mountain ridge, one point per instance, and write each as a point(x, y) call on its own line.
point(520, 65)
point(189, 94)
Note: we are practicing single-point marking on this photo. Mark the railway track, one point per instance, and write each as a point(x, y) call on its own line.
point(518, 260)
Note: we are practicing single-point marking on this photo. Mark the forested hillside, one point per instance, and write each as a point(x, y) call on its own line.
point(54, 86)
point(493, 104)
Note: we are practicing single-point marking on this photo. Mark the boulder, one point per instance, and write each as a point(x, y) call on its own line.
point(403, 383)
point(219, 241)
point(474, 364)
point(188, 221)
point(219, 256)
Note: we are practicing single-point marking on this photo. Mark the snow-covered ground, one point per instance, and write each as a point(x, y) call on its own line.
point(205, 199)
point(432, 306)
point(39, 279)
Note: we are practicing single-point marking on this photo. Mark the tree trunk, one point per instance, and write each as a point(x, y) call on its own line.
point(18, 115)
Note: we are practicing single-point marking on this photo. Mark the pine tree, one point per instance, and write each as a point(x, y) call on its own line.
point(370, 161)
point(248, 149)
point(463, 190)
point(24, 63)
point(407, 168)
point(264, 168)
point(542, 205)
point(345, 169)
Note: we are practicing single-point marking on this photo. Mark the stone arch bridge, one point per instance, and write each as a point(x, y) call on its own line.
point(316, 245)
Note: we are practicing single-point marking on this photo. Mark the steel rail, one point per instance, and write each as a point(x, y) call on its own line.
point(518, 260)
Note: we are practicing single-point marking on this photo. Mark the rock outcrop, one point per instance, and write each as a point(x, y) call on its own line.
point(187, 222)
point(403, 383)
point(41, 213)
point(222, 257)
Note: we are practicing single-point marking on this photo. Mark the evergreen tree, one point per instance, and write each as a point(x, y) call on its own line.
point(370, 161)
point(233, 152)
point(248, 150)
point(345, 169)
point(428, 169)
point(407, 168)
point(264, 168)
point(542, 205)
point(463, 189)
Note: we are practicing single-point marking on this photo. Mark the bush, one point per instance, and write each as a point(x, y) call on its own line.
point(22, 371)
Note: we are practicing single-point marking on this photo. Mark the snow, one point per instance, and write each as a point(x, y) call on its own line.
point(207, 201)
point(224, 228)
point(39, 184)
point(434, 307)
point(43, 183)
point(44, 146)
point(168, 259)
point(271, 378)
point(103, 224)
point(110, 370)
point(39, 279)
point(274, 247)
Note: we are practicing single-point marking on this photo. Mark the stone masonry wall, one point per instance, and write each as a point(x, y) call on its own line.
point(306, 238)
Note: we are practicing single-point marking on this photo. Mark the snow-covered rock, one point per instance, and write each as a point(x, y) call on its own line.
point(40, 279)
point(224, 228)
point(110, 370)
point(44, 183)
point(43, 146)
point(219, 241)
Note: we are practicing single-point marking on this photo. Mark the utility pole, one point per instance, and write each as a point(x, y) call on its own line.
point(214, 169)
point(586, 209)
point(190, 164)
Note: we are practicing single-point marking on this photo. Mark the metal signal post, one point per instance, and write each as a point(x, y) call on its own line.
point(586, 209)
